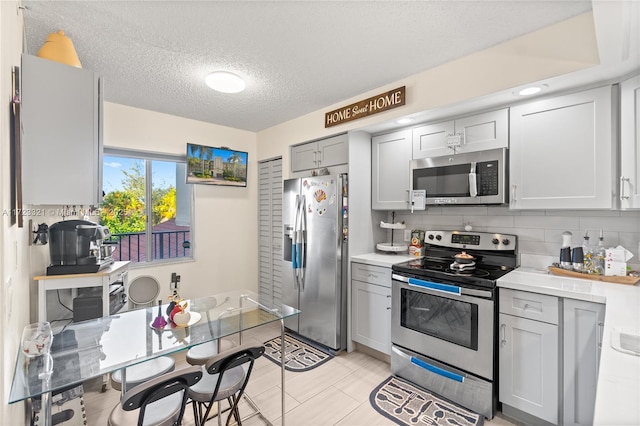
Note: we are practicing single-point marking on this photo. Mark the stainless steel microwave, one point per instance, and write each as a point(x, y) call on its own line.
point(462, 179)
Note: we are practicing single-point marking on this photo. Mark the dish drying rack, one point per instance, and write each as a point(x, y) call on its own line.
point(392, 247)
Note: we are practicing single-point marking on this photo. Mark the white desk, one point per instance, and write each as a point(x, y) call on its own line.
point(114, 273)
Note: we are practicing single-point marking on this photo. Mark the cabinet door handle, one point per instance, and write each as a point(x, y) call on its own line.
point(388, 296)
point(388, 308)
point(503, 331)
point(622, 181)
point(513, 193)
point(408, 197)
point(600, 333)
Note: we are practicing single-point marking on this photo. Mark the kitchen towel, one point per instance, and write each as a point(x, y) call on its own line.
point(407, 404)
point(298, 355)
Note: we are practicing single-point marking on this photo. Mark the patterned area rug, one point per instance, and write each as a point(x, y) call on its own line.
point(298, 356)
point(407, 404)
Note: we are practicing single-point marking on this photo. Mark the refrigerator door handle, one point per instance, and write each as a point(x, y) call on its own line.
point(303, 240)
point(294, 246)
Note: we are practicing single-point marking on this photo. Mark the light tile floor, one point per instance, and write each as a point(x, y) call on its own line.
point(335, 393)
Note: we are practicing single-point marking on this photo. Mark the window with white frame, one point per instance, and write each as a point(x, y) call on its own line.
point(147, 206)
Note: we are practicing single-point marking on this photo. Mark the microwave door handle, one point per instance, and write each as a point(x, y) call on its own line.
point(473, 181)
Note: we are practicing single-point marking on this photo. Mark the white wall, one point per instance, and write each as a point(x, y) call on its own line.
point(226, 218)
point(14, 256)
point(552, 51)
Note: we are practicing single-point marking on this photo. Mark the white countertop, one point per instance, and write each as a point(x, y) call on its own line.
point(114, 267)
point(618, 393)
point(380, 259)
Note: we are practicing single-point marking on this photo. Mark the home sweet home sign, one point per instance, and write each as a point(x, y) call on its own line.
point(373, 105)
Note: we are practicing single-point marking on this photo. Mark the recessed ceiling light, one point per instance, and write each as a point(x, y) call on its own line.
point(404, 120)
point(225, 82)
point(531, 90)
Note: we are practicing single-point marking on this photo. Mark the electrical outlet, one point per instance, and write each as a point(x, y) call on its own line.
point(175, 280)
point(407, 235)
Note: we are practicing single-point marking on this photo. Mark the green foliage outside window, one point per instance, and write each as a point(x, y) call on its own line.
point(123, 211)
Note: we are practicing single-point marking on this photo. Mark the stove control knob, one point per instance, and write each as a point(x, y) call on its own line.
point(430, 236)
point(495, 241)
point(506, 241)
point(438, 237)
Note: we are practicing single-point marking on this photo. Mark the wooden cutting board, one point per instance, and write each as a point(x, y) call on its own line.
point(603, 278)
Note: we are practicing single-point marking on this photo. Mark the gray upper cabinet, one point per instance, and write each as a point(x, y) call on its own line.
point(61, 134)
point(322, 153)
point(390, 175)
point(562, 152)
point(478, 132)
point(630, 143)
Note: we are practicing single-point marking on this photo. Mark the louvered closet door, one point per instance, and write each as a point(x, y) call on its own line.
point(270, 231)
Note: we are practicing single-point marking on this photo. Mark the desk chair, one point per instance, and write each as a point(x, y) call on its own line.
point(225, 377)
point(143, 291)
point(145, 371)
point(159, 402)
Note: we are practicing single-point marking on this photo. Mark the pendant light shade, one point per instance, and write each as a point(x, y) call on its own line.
point(59, 48)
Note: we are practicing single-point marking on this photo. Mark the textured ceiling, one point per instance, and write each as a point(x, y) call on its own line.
point(297, 57)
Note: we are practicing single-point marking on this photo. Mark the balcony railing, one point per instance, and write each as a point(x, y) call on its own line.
point(165, 244)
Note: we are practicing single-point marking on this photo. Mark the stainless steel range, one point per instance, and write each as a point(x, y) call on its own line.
point(444, 310)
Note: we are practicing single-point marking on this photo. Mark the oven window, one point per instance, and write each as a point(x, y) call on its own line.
point(447, 181)
point(440, 317)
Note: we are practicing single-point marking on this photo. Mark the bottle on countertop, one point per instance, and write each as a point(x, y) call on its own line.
point(565, 251)
point(599, 255)
point(587, 252)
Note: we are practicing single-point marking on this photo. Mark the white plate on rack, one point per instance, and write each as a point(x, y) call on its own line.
point(392, 247)
point(392, 225)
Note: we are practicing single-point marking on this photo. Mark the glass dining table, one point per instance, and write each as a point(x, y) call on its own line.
point(93, 348)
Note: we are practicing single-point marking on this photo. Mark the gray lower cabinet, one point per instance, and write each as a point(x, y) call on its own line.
point(371, 306)
point(390, 174)
point(528, 353)
point(61, 134)
point(549, 353)
point(582, 341)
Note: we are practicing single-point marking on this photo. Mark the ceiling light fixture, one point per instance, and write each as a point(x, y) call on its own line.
point(531, 90)
point(404, 120)
point(225, 82)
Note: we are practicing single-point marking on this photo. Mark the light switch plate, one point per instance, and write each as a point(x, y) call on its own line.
point(407, 235)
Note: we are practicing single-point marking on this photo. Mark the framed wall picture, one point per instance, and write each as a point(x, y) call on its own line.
point(216, 165)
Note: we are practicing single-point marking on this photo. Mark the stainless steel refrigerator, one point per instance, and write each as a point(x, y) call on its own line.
point(314, 217)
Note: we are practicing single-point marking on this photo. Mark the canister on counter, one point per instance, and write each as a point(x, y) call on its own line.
point(417, 242)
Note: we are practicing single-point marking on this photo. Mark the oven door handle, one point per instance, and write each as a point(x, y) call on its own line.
point(445, 288)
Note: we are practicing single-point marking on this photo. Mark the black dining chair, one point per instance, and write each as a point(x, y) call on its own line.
point(158, 402)
point(225, 378)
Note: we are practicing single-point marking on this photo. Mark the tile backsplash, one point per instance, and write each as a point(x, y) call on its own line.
point(539, 231)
